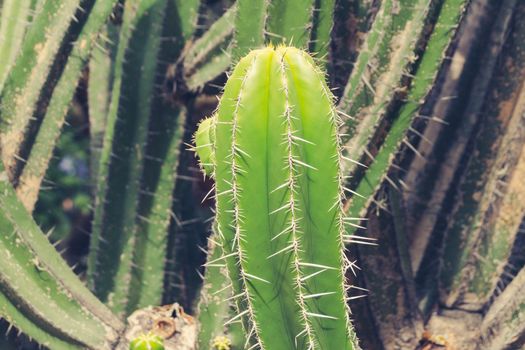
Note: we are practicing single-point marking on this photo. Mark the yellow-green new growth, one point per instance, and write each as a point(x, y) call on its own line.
point(274, 152)
point(147, 341)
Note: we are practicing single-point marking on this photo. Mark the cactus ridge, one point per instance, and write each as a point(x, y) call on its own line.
point(276, 136)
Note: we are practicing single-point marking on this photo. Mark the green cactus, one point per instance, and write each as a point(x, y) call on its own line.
point(39, 293)
point(278, 191)
point(148, 341)
point(49, 131)
point(214, 308)
point(138, 161)
point(27, 77)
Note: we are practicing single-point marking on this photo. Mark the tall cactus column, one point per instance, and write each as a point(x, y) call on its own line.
point(274, 151)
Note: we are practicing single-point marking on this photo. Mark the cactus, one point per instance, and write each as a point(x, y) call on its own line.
point(139, 158)
point(274, 276)
point(39, 293)
point(427, 70)
point(13, 24)
point(147, 341)
point(28, 76)
point(209, 55)
point(484, 224)
point(214, 310)
point(101, 67)
point(49, 131)
point(275, 137)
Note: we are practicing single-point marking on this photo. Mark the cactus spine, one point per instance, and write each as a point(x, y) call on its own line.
point(278, 190)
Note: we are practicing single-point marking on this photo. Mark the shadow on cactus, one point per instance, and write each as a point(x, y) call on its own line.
point(274, 152)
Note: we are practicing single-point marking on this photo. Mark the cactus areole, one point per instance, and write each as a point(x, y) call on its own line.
point(273, 149)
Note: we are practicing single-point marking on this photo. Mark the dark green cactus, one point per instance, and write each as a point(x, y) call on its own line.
point(279, 196)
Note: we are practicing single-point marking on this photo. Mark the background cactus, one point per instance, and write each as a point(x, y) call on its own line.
point(431, 94)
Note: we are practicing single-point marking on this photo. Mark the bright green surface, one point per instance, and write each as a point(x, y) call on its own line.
point(278, 192)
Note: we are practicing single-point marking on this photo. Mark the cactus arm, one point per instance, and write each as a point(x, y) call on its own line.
point(28, 75)
point(16, 318)
point(250, 22)
point(290, 22)
point(321, 205)
point(101, 66)
point(187, 12)
point(42, 149)
point(210, 55)
point(139, 158)
point(42, 275)
point(214, 308)
point(503, 326)
point(322, 28)
point(370, 48)
point(32, 296)
point(154, 213)
point(275, 312)
point(12, 29)
point(497, 147)
point(129, 109)
point(293, 291)
point(372, 94)
point(444, 30)
point(500, 236)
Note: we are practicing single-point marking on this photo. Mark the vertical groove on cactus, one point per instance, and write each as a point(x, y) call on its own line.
point(29, 73)
point(279, 200)
point(42, 149)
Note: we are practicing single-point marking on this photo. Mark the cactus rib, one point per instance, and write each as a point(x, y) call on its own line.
point(101, 66)
point(214, 306)
point(289, 22)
